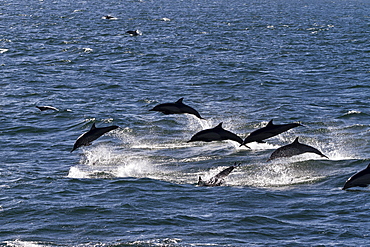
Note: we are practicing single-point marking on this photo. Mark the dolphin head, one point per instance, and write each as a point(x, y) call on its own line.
point(360, 179)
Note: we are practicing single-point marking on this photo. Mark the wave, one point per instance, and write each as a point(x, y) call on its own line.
point(353, 113)
point(151, 242)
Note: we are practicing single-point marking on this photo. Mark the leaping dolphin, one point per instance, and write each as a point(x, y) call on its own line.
point(94, 133)
point(218, 179)
point(216, 134)
point(176, 108)
point(360, 179)
point(295, 148)
point(46, 107)
point(269, 131)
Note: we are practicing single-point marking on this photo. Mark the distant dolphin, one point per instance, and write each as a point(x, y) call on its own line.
point(94, 133)
point(269, 131)
point(218, 179)
point(109, 17)
point(176, 108)
point(216, 134)
point(293, 149)
point(135, 33)
point(45, 108)
point(360, 179)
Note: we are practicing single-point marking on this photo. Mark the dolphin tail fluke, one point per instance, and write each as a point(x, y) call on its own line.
point(323, 155)
point(245, 145)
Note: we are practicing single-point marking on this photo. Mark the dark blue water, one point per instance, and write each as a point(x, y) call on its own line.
point(242, 63)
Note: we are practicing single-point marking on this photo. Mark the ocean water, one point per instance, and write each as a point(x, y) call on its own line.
point(241, 63)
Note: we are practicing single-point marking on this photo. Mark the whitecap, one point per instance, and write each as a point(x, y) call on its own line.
point(19, 243)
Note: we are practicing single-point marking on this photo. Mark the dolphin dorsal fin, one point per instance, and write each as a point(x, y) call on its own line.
point(219, 126)
point(93, 127)
point(270, 123)
point(296, 141)
point(200, 181)
point(179, 101)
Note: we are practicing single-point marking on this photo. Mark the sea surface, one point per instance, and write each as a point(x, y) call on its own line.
point(238, 62)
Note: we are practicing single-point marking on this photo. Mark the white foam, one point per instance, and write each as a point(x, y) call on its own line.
point(102, 161)
point(19, 243)
point(274, 175)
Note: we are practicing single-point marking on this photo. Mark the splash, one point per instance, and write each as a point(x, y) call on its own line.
point(19, 243)
point(275, 175)
point(104, 161)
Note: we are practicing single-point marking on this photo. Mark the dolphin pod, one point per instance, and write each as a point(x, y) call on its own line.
point(94, 133)
point(360, 179)
point(218, 179)
point(295, 148)
point(216, 134)
point(176, 108)
point(269, 131)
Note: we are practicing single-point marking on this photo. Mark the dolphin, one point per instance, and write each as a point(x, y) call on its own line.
point(134, 33)
point(216, 134)
point(218, 179)
point(46, 107)
point(176, 108)
point(269, 131)
point(293, 149)
point(109, 17)
point(361, 179)
point(94, 133)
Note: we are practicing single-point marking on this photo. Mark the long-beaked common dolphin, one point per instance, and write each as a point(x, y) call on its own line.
point(176, 108)
point(360, 179)
point(134, 33)
point(109, 17)
point(46, 107)
point(218, 179)
point(94, 133)
point(295, 148)
point(269, 131)
point(216, 134)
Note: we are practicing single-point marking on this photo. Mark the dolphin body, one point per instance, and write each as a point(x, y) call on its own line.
point(94, 133)
point(216, 134)
point(295, 148)
point(176, 108)
point(134, 33)
point(218, 179)
point(360, 179)
point(46, 107)
point(269, 131)
point(109, 17)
